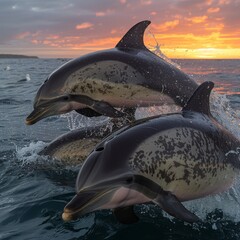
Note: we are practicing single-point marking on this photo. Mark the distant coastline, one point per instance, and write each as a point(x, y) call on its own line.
point(16, 56)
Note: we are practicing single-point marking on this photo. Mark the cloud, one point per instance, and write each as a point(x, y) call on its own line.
point(213, 10)
point(146, 2)
point(84, 25)
point(23, 35)
point(153, 13)
point(100, 14)
point(224, 2)
point(166, 26)
point(105, 13)
point(198, 19)
point(68, 24)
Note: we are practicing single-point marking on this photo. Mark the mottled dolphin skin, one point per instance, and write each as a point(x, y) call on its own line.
point(164, 160)
point(73, 147)
point(128, 76)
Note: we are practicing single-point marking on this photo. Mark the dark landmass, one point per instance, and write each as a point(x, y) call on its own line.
point(16, 56)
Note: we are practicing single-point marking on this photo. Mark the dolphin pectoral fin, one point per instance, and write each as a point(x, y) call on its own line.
point(106, 109)
point(125, 215)
point(100, 107)
point(169, 203)
point(88, 112)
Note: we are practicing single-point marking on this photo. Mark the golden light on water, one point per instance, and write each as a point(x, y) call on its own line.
point(203, 53)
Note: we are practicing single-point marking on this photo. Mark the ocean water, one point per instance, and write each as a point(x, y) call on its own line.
point(34, 190)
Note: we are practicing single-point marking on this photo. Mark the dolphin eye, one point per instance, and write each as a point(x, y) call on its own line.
point(129, 180)
point(99, 149)
point(66, 98)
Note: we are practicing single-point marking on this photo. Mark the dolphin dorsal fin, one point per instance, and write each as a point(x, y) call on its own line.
point(134, 37)
point(199, 101)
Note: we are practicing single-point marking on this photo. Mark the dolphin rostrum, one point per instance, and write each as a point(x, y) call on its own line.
point(165, 160)
point(128, 76)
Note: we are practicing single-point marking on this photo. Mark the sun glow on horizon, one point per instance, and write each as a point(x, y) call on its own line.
point(200, 30)
point(202, 53)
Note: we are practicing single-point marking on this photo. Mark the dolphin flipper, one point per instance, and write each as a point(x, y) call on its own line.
point(88, 112)
point(125, 215)
point(166, 200)
point(169, 203)
point(101, 107)
point(106, 109)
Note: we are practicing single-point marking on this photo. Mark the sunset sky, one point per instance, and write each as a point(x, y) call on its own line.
point(70, 28)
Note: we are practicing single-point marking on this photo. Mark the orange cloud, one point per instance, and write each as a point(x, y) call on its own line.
point(199, 19)
point(105, 13)
point(84, 25)
point(34, 41)
point(146, 2)
point(214, 27)
point(165, 26)
point(209, 2)
point(23, 35)
point(113, 31)
point(53, 37)
point(98, 43)
point(213, 10)
point(224, 2)
point(100, 14)
point(153, 13)
point(201, 35)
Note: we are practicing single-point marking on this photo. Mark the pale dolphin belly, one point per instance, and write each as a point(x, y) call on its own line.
point(127, 87)
point(73, 147)
point(73, 153)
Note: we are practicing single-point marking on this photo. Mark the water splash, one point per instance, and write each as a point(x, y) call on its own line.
point(225, 114)
point(76, 121)
point(7, 68)
point(236, 152)
point(28, 78)
point(30, 154)
point(157, 50)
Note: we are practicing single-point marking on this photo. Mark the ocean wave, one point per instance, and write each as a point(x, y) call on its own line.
point(10, 101)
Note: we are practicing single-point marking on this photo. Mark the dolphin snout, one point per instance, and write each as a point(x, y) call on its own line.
point(37, 114)
point(79, 205)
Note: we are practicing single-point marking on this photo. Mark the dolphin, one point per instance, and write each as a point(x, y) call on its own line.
point(164, 160)
point(73, 147)
point(128, 76)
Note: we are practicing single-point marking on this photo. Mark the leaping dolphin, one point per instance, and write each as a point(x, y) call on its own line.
point(165, 160)
point(73, 147)
point(128, 75)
